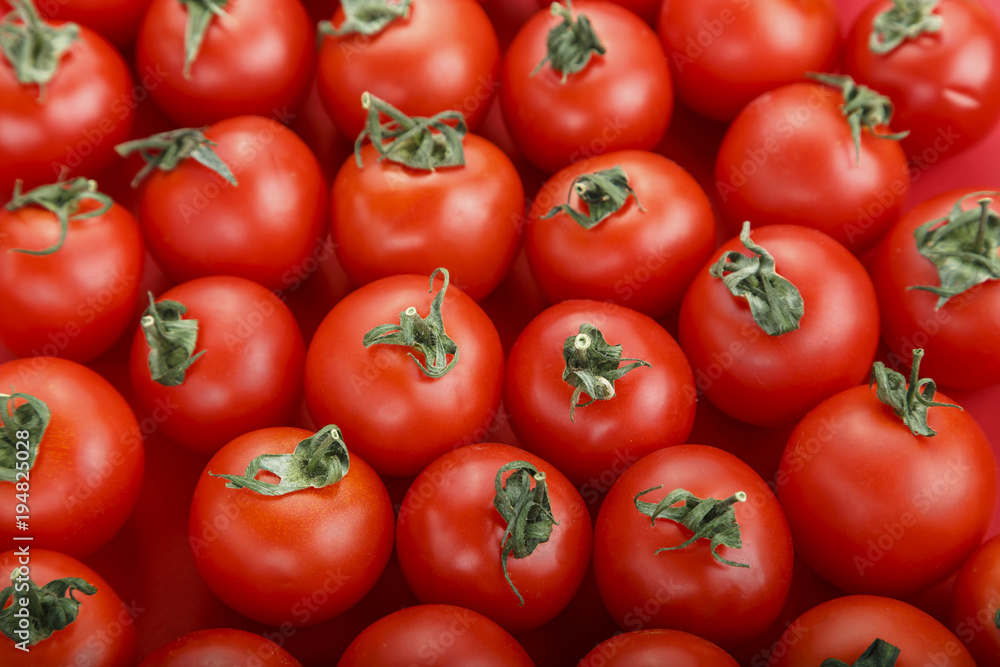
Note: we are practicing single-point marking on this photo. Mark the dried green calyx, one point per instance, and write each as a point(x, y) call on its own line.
point(415, 142)
point(24, 424)
point(47, 608)
point(910, 403)
point(965, 247)
point(63, 201)
point(366, 17)
point(33, 47)
point(526, 508)
point(571, 43)
point(604, 192)
point(200, 14)
point(709, 519)
point(166, 150)
point(172, 341)
point(879, 653)
point(592, 366)
point(906, 19)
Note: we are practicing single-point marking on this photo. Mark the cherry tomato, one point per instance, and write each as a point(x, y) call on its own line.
point(976, 603)
point(690, 588)
point(300, 558)
point(218, 647)
point(85, 478)
point(657, 647)
point(620, 99)
point(449, 509)
point(247, 377)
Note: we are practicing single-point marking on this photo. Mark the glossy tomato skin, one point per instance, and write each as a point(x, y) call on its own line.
point(265, 229)
point(708, 45)
point(249, 377)
point(686, 589)
point(640, 259)
point(653, 406)
point(449, 510)
point(789, 158)
point(976, 601)
point(621, 100)
point(87, 474)
point(300, 558)
point(774, 380)
point(220, 646)
point(74, 303)
point(435, 634)
point(115, 20)
point(388, 219)
point(443, 57)
point(657, 647)
point(875, 509)
point(844, 627)
point(962, 338)
point(390, 412)
point(257, 59)
point(84, 112)
point(103, 634)
point(946, 104)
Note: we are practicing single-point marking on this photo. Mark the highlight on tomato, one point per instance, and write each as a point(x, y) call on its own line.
point(657, 647)
point(221, 646)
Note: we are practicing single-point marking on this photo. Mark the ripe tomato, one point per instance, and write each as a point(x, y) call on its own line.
point(708, 45)
point(657, 647)
point(102, 634)
point(686, 589)
point(650, 407)
point(248, 373)
point(70, 121)
point(962, 336)
point(842, 629)
point(976, 603)
point(85, 478)
point(263, 229)
point(621, 98)
point(449, 509)
point(789, 158)
point(388, 218)
point(89, 287)
point(115, 20)
point(392, 413)
point(299, 558)
point(222, 646)
point(402, 63)
point(255, 58)
point(642, 256)
point(770, 380)
point(946, 104)
point(877, 508)
point(435, 634)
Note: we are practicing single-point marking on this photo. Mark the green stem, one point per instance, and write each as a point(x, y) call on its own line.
point(25, 423)
point(318, 461)
point(166, 150)
point(910, 403)
point(592, 366)
point(415, 142)
point(906, 19)
point(48, 608)
point(424, 335)
point(570, 44)
point(32, 47)
point(527, 510)
point(199, 16)
point(366, 17)
point(171, 341)
point(604, 192)
point(63, 201)
point(879, 653)
point(709, 519)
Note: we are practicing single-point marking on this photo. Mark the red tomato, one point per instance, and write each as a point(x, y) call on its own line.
point(643, 258)
point(946, 103)
point(90, 284)
point(976, 603)
point(648, 10)
point(688, 589)
point(256, 58)
point(248, 377)
point(842, 629)
point(657, 647)
point(101, 635)
point(449, 510)
point(392, 413)
point(443, 55)
point(961, 337)
point(115, 20)
point(621, 99)
point(789, 158)
point(389, 219)
point(877, 509)
point(709, 45)
point(263, 229)
point(299, 558)
point(770, 380)
point(72, 122)
point(86, 477)
point(222, 646)
point(652, 407)
point(435, 634)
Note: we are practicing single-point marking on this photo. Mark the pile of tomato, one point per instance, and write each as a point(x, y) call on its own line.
point(443, 332)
